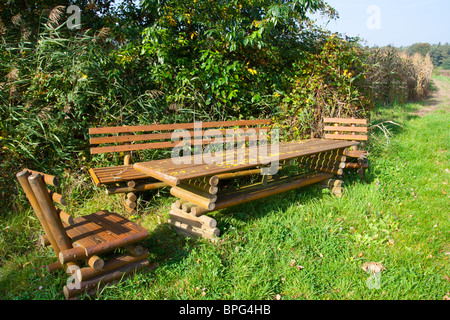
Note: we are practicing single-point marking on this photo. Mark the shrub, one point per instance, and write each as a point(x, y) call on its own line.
point(328, 81)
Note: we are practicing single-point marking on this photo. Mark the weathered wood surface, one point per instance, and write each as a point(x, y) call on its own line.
point(174, 174)
point(99, 233)
point(159, 136)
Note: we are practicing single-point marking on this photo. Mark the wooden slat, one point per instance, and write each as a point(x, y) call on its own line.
point(345, 120)
point(289, 150)
point(346, 137)
point(48, 179)
point(167, 127)
point(134, 147)
point(168, 135)
point(356, 154)
point(345, 129)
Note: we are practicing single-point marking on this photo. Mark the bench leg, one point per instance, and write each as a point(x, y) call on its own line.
point(130, 203)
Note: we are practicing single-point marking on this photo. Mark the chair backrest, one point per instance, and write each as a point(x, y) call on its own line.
point(345, 129)
point(41, 199)
point(159, 136)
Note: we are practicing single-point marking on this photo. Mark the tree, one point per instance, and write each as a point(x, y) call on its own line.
point(212, 55)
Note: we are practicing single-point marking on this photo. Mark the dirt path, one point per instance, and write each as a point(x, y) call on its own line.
point(438, 99)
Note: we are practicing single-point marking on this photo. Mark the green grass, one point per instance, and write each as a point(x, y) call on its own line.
point(304, 244)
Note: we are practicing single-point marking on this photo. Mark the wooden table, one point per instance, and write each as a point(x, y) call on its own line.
point(197, 184)
point(175, 174)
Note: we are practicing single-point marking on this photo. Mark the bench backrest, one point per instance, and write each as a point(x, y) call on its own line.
point(345, 129)
point(159, 136)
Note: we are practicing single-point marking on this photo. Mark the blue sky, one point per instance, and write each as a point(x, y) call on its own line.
point(394, 22)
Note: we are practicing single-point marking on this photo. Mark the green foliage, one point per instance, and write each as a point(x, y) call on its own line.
point(439, 52)
point(446, 64)
point(55, 88)
point(328, 81)
point(224, 59)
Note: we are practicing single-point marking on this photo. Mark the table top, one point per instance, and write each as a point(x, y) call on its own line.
point(174, 171)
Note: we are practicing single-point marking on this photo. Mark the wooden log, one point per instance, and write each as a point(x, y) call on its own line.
point(131, 212)
point(22, 177)
point(328, 170)
point(94, 177)
point(43, 240)
point(353, 165)
point(265, 192)
point(187, 206)
point(48, 179)
point(130, 204)
point(206, 187)
point(198, 222)
point(49, 211)
point(102, 279)
point(96, 263)
point(56, 197)
point(135, 249)
point(196, 232)
point(332, 183)
point(337, 190)
point(131, 184)
point(65, 217)
point(179, 203)
point(127, 160)
point(58, 266)
point(131, 196)
point(77, 253)
point(355, 154)
point(211, 180)
point(198, 211)
point(199, 192)
point(87, 273)
point(137, 188)
point(194, 198)
point(52, 267)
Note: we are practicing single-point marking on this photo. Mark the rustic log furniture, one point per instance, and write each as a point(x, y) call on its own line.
point(84, 245)
point(349, 129)
point(140, 138)
point(197, 185)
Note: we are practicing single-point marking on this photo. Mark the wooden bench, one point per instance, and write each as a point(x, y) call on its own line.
point(349, 129)
point(85, 246)
point(141, 138)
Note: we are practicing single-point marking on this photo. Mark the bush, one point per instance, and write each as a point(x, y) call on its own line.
point(328, 81)
point(56, 87)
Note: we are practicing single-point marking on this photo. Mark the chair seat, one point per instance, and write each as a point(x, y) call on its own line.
point(103, 227)
point(109, 175)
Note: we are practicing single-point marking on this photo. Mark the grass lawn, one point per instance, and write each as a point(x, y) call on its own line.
point(304, 244)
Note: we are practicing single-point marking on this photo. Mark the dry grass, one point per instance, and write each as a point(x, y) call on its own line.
point(397, 76)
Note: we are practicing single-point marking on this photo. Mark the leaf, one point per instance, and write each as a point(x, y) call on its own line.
point(373, 267)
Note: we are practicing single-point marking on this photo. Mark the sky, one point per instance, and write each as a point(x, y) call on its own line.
point(392, 22)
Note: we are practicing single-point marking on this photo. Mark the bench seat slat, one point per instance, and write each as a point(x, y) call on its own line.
point(108, 175)
point(345, 120)
point(345, 129)
point(346, 137)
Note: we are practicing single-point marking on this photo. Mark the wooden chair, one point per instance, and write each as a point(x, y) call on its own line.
point(349, 129)
point(79, 242)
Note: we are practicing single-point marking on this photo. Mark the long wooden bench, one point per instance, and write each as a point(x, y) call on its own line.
point(141, 138)
point(350, 129)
